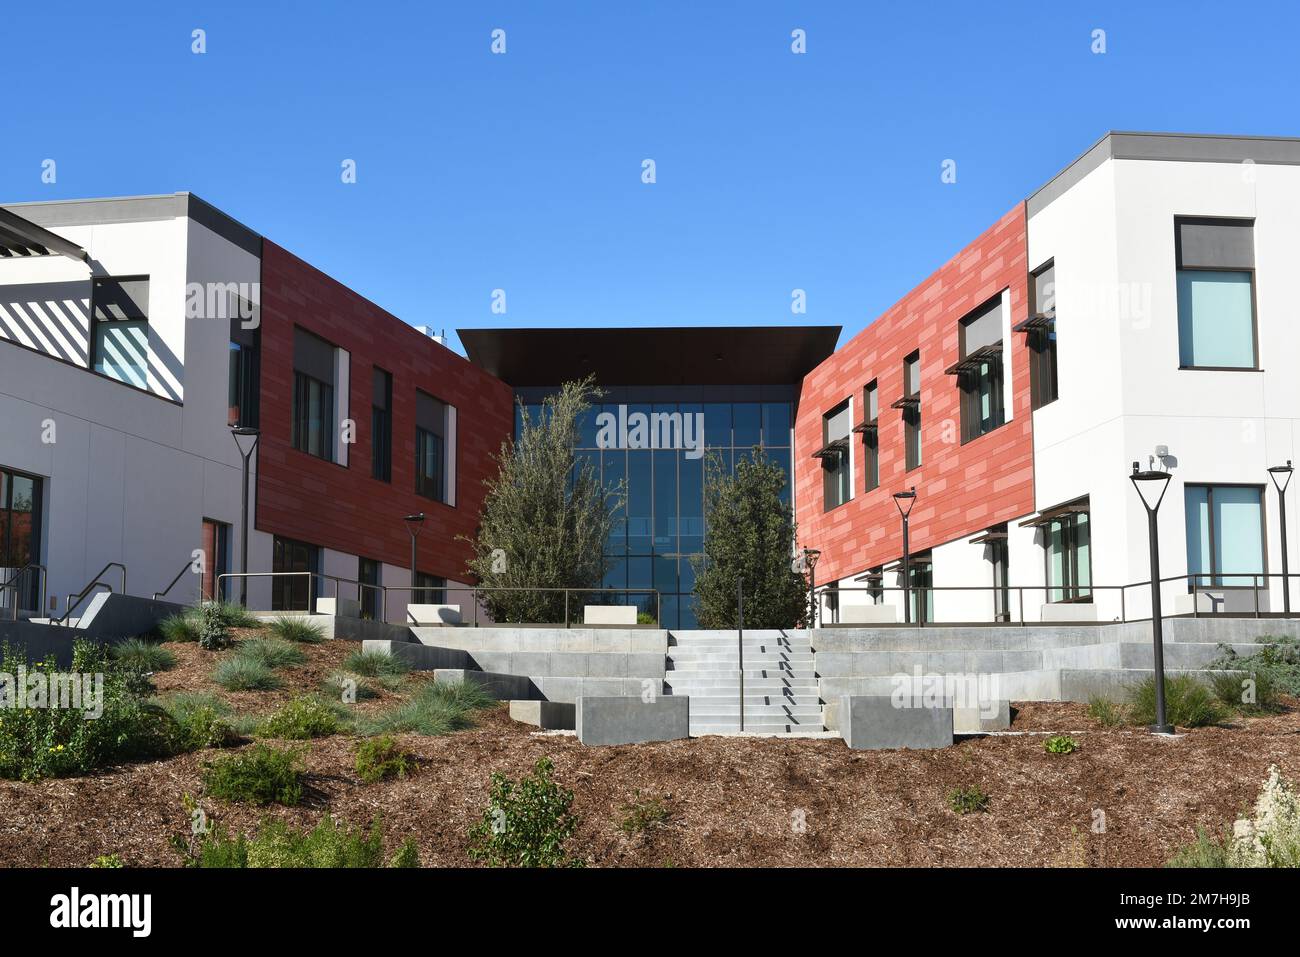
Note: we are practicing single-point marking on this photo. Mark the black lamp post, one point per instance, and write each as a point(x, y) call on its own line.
point(1281, 475)
point(242, 434)
point(810, 556)
point(413, 525)
point(1151, 487)
point(910, 498)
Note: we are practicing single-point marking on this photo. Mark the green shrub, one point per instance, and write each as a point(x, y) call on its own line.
point(1279, 660)
point(271, 652)
point(259, 775)
point(298, 630)
point(349, 688)
point(141, 655)
point(300, 719)
point(42, 741)
point(1247, 693)
point(182, 627)
point(200, 721)
point(244, 674)
point(642, 815)
point(107, 861)
point(408, 855)
point(968, 800)
point(1106, 712)
point(1205, 851)
point(1061, 744)
point(372, 664)
point(436, 708)
point(1189, 703)
point(235, 615)
point(213, 628)
point(380, 758)
point(645, 618)
point(526, 823)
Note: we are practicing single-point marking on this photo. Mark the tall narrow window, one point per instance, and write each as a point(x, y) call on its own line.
point(1069, 557)
point(119, 313)
point(1216, 293)
point(381, 426)
point(837, 475)
point(244, 373)
point(1040, 328)
point(313, 395)
point(910, 403)
point(430, 447)
point(368, 573)
point(216, 551)
point(20, 540)
point(870, 429)
point(979, 370)
point(1225, 535)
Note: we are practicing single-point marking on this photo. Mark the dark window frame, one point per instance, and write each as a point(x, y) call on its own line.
point(1044, 384)
point(1070, 588)
point(912, 438)
point(93, 348)
point(301, 416)
point(381, 429)
point(1217, 575)
point(871, 436)
point(836, 465)
point(1180, 220)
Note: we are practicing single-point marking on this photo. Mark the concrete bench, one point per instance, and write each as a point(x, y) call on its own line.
point(338, 607)
point(433, 614)
point(875, 722)
point(868, 615)
point(620, 615)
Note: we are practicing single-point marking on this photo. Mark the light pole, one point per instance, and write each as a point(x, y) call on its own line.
point(1148, 484)
point(810, 556)
point(413, 525)
point(240, 433)
point(910, 498)
point(1281, 475)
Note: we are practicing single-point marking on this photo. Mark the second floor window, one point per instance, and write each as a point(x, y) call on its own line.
point(244, 374)
point(430, 447)
point(1216, 293)
point(910, 403)
point(1041, 329)
point(381, 426)
point(119, 315)
point(313, 395)
point(871, 436)
point(837, 473)
point(979, 370)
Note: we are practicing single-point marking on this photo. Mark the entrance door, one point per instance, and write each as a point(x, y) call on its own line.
point(20, 539)
point(293, 592)
point(216, 554)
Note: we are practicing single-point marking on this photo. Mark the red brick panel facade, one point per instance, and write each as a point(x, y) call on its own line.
point(961, 489)
point(307, 498)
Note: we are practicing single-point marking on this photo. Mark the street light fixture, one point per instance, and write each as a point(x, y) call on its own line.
point(242, 435)
point(1151, 487)
point(910, 498)
point(810, 556)
point(1281, 475)
point(413, 525)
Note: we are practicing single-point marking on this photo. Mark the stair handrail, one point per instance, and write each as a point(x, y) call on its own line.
point(10, 584)
point(188, 566)
point(95, 581)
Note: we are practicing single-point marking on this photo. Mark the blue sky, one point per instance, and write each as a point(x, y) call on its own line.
point(522, 171)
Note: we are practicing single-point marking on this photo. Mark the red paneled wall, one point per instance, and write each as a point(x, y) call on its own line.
point(304, 497)
point(961, 489)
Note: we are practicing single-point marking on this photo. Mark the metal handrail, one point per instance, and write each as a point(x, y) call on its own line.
point(11, 584)
point(81, 595)
point(187, 567)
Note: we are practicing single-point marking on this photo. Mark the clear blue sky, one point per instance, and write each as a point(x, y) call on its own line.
point(523, 171)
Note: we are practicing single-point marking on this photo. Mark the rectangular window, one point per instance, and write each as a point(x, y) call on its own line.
point(381, 426)
point(1216, 293)
point(1042, 336)
point(1069, 561)
point(837, 475)
point(313, 395)
point(368, 572)
point(871, 435)
point(429, 589)
point(912, 410)
point(979, 370)
point(921, 588)
point(1225, 535)
point(244, 374)
point(293, 592)
point(120, 316)
point(20, 540)
point(999, 558)
point(430, 447)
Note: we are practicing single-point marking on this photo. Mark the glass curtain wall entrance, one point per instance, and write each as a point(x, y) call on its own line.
point(663, 525)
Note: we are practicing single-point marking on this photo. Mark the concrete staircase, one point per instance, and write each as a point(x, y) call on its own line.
point(781, 694)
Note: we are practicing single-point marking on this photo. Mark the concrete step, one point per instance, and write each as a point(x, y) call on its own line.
point(757, 727)
point(706, 657)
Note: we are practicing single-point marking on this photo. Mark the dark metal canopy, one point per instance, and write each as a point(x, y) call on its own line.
point(643, 356)
point(832, 449)
point(1038, 322)
point(21, 237)
point(989, 353)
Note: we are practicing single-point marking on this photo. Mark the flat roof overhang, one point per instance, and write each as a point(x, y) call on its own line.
point(652, 355)
point(21, 237)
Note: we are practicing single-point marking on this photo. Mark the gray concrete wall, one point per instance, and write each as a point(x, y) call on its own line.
point(872, 722)
point(37, 642)
point(630, 720)
point(421, 657)
point(501, 687)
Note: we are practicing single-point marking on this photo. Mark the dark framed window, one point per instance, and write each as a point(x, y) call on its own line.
point(381, 425)
point(20, 538)
point(245, 374)
point(1068, 550)
point(293, 592)
point(368, 573)
point(871, 436)
point(429, 589)
point(837, 473)
point(921, 588)
point(1216, 293)
point(912, 410)
point(1225, 535)
point(313, 395)
point(979, 370)
point(119, 315)
point(999, 558)
point(1042, 336)
point(430, 447)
